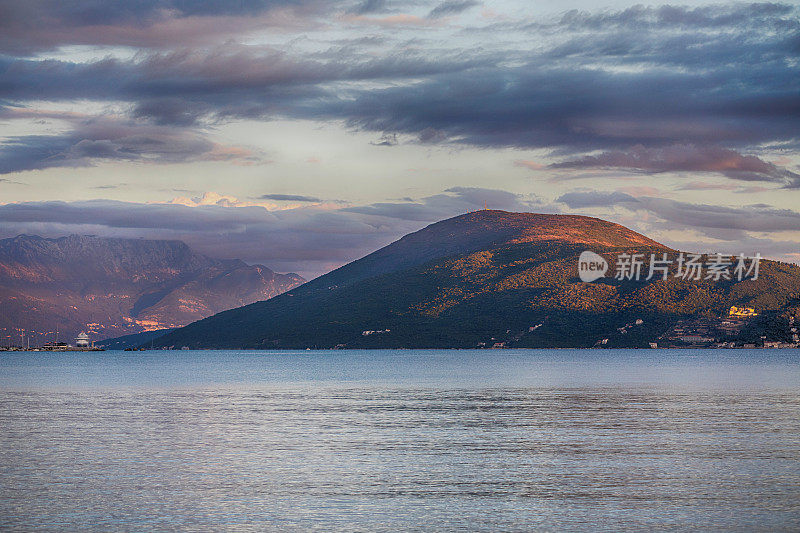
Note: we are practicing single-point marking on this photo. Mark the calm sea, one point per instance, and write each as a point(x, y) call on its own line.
point(412, 440)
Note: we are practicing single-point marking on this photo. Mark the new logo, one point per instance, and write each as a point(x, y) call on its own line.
point(591, 266)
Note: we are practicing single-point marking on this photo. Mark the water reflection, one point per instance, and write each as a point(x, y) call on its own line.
point(285, 455)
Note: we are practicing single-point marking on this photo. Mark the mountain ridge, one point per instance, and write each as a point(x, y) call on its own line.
point(483, 277)
point(116, 286)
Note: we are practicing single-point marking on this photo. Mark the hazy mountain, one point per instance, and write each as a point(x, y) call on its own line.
point(485, 277)
point(112, 287)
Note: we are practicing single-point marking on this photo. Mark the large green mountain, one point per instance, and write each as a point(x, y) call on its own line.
point(483, 278)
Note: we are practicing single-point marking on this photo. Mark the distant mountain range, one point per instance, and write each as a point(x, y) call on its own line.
point(113, 287)
point(490, 278)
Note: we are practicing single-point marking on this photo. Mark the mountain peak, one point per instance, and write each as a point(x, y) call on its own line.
point(456, 282)
point(531, 227)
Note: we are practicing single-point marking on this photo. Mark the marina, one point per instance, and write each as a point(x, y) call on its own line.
point(82, 344)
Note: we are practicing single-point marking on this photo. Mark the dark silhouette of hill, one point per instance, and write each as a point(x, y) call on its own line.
point(481, 278)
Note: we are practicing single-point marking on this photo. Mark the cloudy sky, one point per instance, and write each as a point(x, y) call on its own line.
point(303, 134)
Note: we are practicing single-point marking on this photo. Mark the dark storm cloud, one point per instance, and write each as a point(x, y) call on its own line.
point(169, 111)
point(176, 92)
point(34, 152)
point(655, 77)
point(532, 107)
point(93, 140)
point(177, 87)
point(681, 83)
point(680, 158)
point(36, 25)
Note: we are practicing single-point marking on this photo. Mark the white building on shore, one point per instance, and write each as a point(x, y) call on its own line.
point(82, 340)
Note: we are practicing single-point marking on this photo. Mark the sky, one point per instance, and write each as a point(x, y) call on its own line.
point(303, 134)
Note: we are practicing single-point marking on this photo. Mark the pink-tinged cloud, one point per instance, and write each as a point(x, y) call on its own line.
point(401, 19)
point(533, 165)
point(29, 27)
point(237, 155)
point(687, 158)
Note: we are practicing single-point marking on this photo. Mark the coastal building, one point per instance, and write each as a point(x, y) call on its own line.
point(82, 340)
point(742, 312)
point(55, 347)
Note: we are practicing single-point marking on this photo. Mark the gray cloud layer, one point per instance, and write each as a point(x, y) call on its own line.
point(451, 7)
point(686, 215)
point(290, 198)
point(679, 158)
point(309, 240)
point(110, 139)
point(312, 240)
point(633, 82)
point(37, 25)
